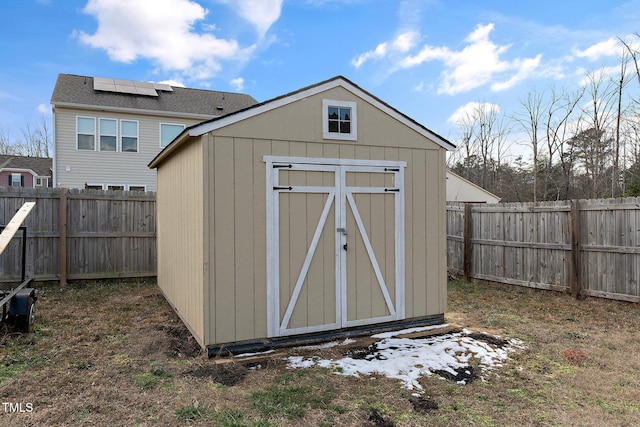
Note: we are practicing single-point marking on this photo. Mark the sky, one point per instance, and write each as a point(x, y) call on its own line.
point(430, 59)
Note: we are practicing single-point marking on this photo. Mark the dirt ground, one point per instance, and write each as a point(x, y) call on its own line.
point(116, 354)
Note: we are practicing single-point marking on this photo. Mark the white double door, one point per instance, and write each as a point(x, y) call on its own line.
point(335, 243)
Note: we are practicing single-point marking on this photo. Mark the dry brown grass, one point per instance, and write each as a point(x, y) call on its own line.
point(115, 354)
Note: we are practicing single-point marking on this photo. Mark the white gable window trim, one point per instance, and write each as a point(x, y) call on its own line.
point(339, 120)
point(168, 132)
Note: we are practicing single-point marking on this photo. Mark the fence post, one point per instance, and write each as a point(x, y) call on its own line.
point(466, 237)
point(576, 256)
point(63, 237)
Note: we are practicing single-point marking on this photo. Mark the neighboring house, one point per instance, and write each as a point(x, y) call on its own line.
point(316, 214)
point(21, 171)
point(462, 190)
point(107, 130)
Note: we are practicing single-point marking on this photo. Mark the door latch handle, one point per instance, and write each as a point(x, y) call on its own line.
point(344, 246)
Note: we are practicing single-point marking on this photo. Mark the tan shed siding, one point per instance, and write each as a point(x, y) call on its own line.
point(237, 220)
point(375, 128)
point(237, 223)
point(180, 235)
point(107, 168)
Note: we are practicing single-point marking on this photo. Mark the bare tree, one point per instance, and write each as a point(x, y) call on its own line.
point(35, 139)
point(529, 121)
point(593, 140)
point(558, 126)
point(5, 143)
point(633, 54)
point(483, 143)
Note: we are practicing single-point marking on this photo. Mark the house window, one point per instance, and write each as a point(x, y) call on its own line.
point(339, 120)
point(86, 133)
point(16, 180)
point(115, 187)
point(108, 134)
point(38, 182)
point(129, 130)
point(137, 188)
point(93, 186)
point(168, 132)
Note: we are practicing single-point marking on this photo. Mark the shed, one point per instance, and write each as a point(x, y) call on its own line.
point(463, 190)
point(317, 214)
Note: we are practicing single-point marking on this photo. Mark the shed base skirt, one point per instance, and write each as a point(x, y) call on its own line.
point(255, 346)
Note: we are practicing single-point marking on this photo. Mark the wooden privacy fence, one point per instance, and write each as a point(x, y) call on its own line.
point(81, 234)
point(587, 247)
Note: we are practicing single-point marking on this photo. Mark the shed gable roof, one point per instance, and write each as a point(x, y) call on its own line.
point(78, 91)
point(338, 81)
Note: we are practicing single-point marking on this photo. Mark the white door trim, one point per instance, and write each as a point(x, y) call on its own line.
point(341, 196)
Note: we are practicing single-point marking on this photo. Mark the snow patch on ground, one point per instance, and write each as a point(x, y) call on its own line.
point(408, 359)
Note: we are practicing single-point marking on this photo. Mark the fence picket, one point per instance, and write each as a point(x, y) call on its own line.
point(82, 234)
point(589, 247)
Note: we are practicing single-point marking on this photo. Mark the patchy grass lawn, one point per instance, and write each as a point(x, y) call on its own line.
point(115, 354)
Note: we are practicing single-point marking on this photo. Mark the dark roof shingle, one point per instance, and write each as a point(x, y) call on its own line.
point(78, 90)
point(40, 165)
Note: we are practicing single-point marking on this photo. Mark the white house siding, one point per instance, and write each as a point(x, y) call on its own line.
point(74, 168)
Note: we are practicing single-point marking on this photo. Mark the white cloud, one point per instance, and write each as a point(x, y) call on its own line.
point(163, 34)
point(44, 109)
point(262, 14)
point(606, 48)
point(524, 68)
point(237, 84)
point(401, 44)
point(172, 83)
point(470, 109)
point(477, 64)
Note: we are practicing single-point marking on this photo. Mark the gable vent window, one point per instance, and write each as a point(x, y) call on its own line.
point(339, 120)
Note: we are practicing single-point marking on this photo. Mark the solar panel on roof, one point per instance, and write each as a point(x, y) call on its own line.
point(146, 91)
point(105, 84)
point(163, 86)
point(126, 89)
